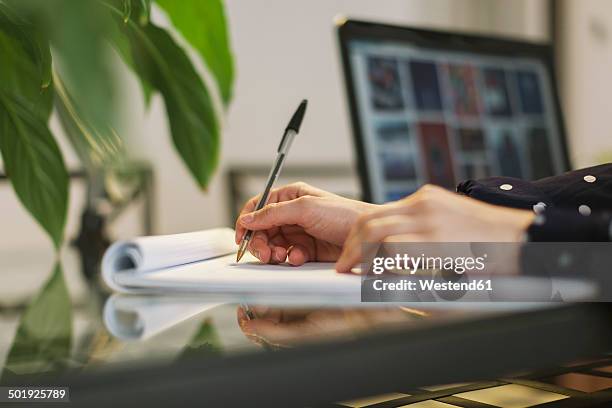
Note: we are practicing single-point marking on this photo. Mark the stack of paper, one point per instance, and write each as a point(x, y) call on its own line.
point(205, 262)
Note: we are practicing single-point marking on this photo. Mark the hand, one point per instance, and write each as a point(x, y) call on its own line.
point(434, 214)
point(288, 327)
point(299, 224)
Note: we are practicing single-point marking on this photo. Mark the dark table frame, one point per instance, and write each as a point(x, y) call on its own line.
point(314, 375)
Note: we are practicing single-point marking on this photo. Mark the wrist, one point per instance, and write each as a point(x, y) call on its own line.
point(520, 222)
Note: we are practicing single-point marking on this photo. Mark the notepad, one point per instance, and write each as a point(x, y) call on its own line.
point(204, 261)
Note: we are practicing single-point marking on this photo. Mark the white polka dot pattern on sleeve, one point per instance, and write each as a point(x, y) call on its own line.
point(506, 187)
point(539, 208)
point(590, 178)
point(584, 210)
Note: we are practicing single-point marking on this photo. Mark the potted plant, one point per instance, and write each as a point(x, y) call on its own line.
point(55, 57)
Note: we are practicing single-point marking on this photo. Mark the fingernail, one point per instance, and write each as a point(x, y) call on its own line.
point(248, 218)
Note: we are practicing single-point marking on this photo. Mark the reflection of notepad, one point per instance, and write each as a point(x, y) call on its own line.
point(205, 262)
point(135, 317)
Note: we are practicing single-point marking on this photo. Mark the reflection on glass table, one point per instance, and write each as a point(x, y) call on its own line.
point(129, 332)
point(55, 335)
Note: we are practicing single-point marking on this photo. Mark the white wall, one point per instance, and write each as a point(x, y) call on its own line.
point(285, 50)
point(586, 78)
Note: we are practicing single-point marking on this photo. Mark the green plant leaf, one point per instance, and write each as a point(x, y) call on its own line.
point(204, 342)
point(121, 44)
point(77, 31)
point(193, 122)
point(145, 12)
point(203, 24)
point(43, 337)
point(26, 62)
point(78, 37)
point(31, 157)
point(35, 166)
point(127, 10)
point(97, 148)
point(31, 39)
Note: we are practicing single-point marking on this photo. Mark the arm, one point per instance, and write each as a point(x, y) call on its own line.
point(574, 206)
point(574, 220)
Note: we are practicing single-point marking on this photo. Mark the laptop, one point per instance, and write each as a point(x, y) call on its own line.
point(440, 107)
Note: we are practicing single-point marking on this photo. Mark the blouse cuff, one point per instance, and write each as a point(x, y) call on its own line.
point(569, 226)
point(506, 191)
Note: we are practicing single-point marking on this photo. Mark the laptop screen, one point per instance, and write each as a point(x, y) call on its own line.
point(427, 114)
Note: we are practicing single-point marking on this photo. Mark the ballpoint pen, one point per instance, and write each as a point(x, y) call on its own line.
point(291, 131)
point(248, 312)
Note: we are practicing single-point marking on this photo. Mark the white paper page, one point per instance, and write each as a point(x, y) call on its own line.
point(157, 252)
point(224, 275)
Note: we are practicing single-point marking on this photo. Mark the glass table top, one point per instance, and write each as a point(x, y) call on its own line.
point(57, 321)
point(53, 329)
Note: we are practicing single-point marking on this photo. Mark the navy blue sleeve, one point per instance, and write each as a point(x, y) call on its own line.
point(575, 206)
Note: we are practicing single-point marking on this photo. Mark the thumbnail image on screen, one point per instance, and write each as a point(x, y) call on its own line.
point(472, 153)
point(383, 78)
point(439, 116)
point(462, 89)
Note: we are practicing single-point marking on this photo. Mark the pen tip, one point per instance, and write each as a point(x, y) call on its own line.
point(240, 253)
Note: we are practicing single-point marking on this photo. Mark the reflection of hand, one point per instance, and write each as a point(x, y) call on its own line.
point(287, 327)
point(300, 223)
point(433, 214)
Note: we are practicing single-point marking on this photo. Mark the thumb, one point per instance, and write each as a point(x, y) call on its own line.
point(276, 215)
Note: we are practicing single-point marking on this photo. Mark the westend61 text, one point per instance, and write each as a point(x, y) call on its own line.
point(431, 284)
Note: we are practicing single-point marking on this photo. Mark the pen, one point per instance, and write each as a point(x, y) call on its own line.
point(291, 131)
point(248, 312)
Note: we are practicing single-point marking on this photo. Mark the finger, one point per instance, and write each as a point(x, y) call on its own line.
point(258, 246)
point(265, 312)
point(239, 232)
point(279, 247)
point(350, 256)
point(275, 195)
point(269, 250)
point(278, 255)
point(289, 192)
point(298, 255)
point(369, 232)
point(352, 242)
point(375, 231)
point(284, 193)
point(276, 214)
point(248, 207)
point(241, 316)
point(302, 243)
